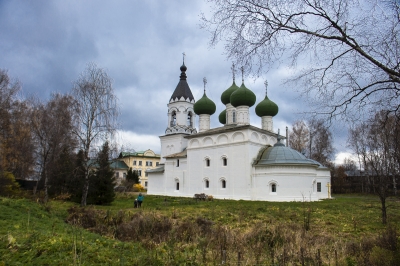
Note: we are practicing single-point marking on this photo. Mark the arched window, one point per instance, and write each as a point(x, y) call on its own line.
point(207, 162)
point(206, 183)
point(223, 183)
point(273, 187)
point(176, 184)
point(224, 161)
point(173, 119)
point(234, 117)
point(189, 120)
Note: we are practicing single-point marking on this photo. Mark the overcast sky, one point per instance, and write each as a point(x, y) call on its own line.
point(47, 44)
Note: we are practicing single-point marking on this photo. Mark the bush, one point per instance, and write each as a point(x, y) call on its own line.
point(8, 185)
point(138, 188)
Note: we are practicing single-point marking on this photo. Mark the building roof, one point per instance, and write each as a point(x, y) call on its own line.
point(181, 154)
point(279, 154)
point(148, 153)
point(226, 95)
point(228, 128)
point(117, 164)
point(204, 106)
point(266, 108)
point(182, 89)
point(243, 96)
point(159, 169)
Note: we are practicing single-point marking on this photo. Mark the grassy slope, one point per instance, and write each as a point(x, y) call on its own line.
point(34, 234)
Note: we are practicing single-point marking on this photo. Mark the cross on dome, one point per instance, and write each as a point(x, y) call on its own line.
point(266, 87)
point(205, 82)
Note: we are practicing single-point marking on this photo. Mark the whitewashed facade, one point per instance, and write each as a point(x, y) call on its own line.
point(236, 161)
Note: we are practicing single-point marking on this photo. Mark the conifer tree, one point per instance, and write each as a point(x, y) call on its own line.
point(102, 182)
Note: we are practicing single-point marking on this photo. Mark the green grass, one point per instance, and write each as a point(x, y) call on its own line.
point(35, 234)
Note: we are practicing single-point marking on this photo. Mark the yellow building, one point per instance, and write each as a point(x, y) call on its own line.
point(141, 161)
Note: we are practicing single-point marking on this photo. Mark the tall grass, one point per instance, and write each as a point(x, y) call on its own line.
point(179, 231)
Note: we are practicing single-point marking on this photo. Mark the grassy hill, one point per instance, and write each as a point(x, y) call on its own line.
point(179, 231)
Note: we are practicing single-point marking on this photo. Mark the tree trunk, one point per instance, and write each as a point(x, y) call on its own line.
point(383, 208)
point(85, 190)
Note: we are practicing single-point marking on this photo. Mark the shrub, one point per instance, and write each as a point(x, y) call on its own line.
point(138, 188)
point(8, 185)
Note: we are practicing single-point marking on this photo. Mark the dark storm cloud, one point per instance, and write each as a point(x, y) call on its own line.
point(47, 44)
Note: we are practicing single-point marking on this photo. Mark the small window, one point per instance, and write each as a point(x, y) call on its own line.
point(207, 184)
point(145, 183)
point(177, 185)
point(234, 117)
point(139, 172)
point(157, 163)
point(146, 174)
point(124, 174)
point(224, 161)
point(208, 162)
point(189, 120)
point(140, 163)
point(117, 174)
point(150, 163)
point(134, 162)
point(273, 188)
point(177, 163)
point(173, 119)
point(223, 184)
point(319, 187)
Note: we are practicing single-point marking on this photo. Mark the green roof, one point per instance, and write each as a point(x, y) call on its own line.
point(226, 95)
point(222, 117)
point(266, 108)
point(119, 165)
point(204, 106)
point(243, 96)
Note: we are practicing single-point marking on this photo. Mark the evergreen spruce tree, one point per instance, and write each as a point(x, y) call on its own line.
point(102, 181)
point(132, 176)
point(78, 178)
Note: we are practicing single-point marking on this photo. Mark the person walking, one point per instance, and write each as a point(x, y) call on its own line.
point(140, 199)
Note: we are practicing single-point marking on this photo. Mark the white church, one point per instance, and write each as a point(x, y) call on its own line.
point(235, 161)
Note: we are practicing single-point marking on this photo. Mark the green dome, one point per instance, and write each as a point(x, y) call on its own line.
point(243, 96)
point(204, 106)
point(266, 108)
point(222, 117)
point(226, 95)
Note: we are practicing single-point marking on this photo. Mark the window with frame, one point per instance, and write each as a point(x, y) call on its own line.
point(117, 174)
point(134, 162)
point(273, 188)
point(145, 183)
point(223, 183)
point(224, 161)
point(207, 184)
point(139, 172)
point(177, 186)
point(124, 175)
point(157, 163)
point(319, 187)
point(234, 117)
point(140, 163)
point(177, 163)
point(146, 174)
point(207, 162)
point(173, 119)
point(189, 120)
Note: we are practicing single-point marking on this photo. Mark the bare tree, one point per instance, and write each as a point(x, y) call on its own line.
point(377, 148)
point(15, 135)
point(320, 143)
point(95, 111)
point(346, 52)
point(52, 129)
point(299, 136)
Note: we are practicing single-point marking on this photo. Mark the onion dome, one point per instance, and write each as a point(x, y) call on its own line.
point(266, 108)
point(226, 95)
point(243, 96)
point(222, 117)
point(182, 89)
point(204, 106)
